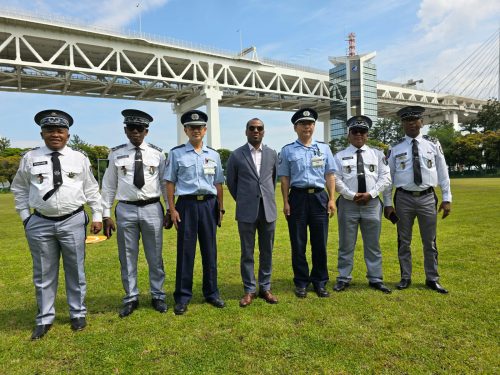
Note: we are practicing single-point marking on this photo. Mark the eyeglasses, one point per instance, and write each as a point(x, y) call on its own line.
point(139, 128)
point(254, 128)
point(359, 131)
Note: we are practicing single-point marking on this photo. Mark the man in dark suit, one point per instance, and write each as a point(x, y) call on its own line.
point(251, 180)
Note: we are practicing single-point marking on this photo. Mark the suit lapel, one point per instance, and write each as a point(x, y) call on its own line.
point(248, 156)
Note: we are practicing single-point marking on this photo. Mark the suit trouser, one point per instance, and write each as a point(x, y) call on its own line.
point(198, 222)
point(367, 217)
point(48, 240)
point(132, 221)
point(308, 210)
point(424, 209)
point(265, 232)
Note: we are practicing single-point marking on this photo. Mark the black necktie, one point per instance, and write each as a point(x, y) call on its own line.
point(56, 175)
point(417, 172)
point(360, 168)
point(138, 169)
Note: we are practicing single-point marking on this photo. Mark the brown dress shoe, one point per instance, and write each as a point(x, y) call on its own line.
point(247, 299)
point(268, 297)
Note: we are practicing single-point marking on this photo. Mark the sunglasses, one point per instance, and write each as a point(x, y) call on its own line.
point(139, 128)
point(254, 128)
point(359, 131)
point(195, 127)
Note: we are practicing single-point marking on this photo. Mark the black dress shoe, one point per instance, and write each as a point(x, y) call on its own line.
point(301, 292)
point(322, 292)
point(216, 302)
point(77, 324)
point(380, 286)
point(128, 308)
point(40, 331)
point(180, 308)
point(403, 284)
point(434, 285)
point(159, 305)
point(340, 286)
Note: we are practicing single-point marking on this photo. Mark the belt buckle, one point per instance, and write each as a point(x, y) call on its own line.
point(199, 197)
point(415, 193)
point(310, 190)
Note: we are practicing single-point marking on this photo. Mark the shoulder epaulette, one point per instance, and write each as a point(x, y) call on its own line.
point(118, 147)
point(31, 149)
point(398, 142)
point(321, 142)
point(176, 147)
point(155, 147)
point(431, 139)
point(288, 144)
point(211, 148)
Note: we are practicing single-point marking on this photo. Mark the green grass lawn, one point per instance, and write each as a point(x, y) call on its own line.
point(357, 331)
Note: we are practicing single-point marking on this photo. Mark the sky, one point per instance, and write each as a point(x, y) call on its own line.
point(413, 39)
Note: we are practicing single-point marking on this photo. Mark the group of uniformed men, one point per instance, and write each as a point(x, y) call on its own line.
point(54, 181)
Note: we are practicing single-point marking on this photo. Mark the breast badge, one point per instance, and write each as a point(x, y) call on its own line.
point(39, 178)
point(371, 167)
point(151, 170)
point(124, 170)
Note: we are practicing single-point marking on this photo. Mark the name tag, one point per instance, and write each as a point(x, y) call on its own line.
point(348, 157)
point(122, 156)
point(400, 155)
point(209, 170)
point(40, 163)
point(317, 162)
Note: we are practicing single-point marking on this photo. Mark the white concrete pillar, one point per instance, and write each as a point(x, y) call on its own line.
point(212, 97)
point(325, 119)
point(181, 135)
point(451, 116)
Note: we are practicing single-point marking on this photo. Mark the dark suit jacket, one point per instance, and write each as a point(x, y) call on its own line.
point(247, 187)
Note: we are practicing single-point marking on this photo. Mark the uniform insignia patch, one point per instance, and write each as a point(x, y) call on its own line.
point(385, 161)
point(39, 178)
point(388, 153)
point(371, 167)
point(348, 169)
point(124, 170)
point(151, 170)
point(71, 175)
point(118, 147)
point(403, 165)
point(155, 147)
point(429, 163)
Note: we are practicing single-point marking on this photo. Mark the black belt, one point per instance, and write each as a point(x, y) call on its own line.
point(309, 190)
point(142, 203)
point(58, 218)
point(417, 193)
point(200, 197)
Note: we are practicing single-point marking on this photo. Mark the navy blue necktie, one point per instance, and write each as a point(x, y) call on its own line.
point(417, 172)
point(138, 169)
point(56, 175)
point(360, 168)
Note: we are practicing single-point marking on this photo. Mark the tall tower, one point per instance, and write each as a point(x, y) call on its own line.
point(351, 38)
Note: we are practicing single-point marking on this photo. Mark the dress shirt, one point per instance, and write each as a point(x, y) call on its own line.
point(432, 164)
point(256, 156)
point(306, 165)
point(377, 173)
point(118, 180)
point(193, 172)
point(34, 179)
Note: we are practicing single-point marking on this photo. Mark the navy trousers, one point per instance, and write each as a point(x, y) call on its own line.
point(309, 210)
point(198, 222)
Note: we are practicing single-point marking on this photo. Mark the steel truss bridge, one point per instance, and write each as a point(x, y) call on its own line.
point(53, 57)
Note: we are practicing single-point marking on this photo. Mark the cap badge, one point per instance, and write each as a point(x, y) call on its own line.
point(306, 113)
point(195, 116)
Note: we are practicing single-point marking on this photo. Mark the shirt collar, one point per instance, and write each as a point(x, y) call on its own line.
point(189, 147)
point(48, 151)
point(313, 143)
point(410, 139)
point(353, 149)
point(130, 146)
point(253, 148)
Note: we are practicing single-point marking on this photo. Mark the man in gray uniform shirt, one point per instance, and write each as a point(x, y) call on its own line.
point(251, 180)
point(417, 166)
point(361, 175)
point(56, 181)
point(133, 178)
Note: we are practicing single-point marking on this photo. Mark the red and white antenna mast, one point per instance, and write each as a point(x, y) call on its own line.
point(351, 38)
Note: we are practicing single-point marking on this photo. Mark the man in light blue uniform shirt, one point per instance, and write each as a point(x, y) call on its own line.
point(305, 168)
point(194, 174)
point(417, 165)
point(361, 174)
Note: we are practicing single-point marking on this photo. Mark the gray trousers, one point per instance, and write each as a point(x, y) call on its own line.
point(265, 232)
point(48, 240)
point(132, 221)
point(352, 216)
point(424, 209)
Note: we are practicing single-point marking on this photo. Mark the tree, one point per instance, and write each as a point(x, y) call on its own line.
point(94, 153)
point(491, 149)
point(338, 144)
point(8, 167)
point(447, 135)
point(488, 118)
point(224, 156)
point(467, 151)
point(4, 143)
point(387, 130)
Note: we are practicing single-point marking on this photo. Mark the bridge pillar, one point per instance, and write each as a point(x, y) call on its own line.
point(451, 116)
point(212, 97)
point(325, 119)
point(181, 135)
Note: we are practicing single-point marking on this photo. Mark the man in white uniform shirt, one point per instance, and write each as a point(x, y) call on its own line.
point(55, 181)
point(133, 179)
point(417, 165)
point(361, 175)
